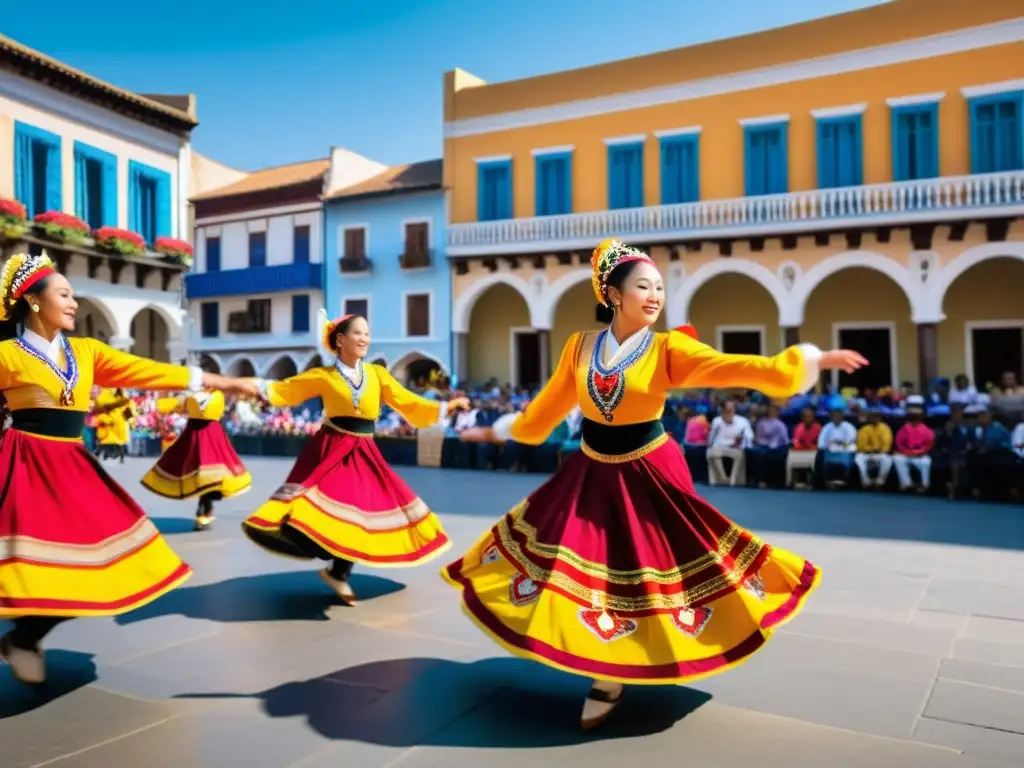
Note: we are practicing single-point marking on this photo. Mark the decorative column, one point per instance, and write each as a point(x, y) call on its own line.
point(790, 336)
point(927, 354)
point(544, 352)
point(460, 343)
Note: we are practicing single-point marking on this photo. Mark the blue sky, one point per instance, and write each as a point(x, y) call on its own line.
point(282, 83)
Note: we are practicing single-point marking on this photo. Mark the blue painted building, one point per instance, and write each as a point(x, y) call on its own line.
point(385, 260)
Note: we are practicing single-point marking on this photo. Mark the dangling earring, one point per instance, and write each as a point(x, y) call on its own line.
point(35, 307)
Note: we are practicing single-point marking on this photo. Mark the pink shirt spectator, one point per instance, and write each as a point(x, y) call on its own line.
point(914, 439)
point(805, 438)
point(697, 430)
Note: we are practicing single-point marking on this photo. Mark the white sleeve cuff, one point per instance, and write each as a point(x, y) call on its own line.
point(442, 414)
point(263, 386)
point(195, 378)
point(503, 426)
point(812, 368)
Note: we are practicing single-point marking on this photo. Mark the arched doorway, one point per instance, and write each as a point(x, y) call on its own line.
point(575, 310)
point(983, 333)
point(93, 320)
point(863, 309)
point(209, 364)
point(151, 335)
point(314, 362)
point(383, 361)
point(736, 314)
point(241, 367)
point(417, 369)
point(502, 343)
point(282, 368)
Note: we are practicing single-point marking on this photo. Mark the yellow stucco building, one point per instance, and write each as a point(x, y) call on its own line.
point(855, 180)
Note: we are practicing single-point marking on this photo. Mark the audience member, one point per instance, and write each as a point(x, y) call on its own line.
point(838, 440)
point(990, 458)
point(914, 442)
point(951, 449)
point(767, 456)
point(874, 442)
point(729, 438)
point(802, 455)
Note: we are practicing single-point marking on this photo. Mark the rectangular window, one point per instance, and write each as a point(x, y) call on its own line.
point(209, 319)
point(494, 190)
point(37, 169)
point(997, 134)
point(680, 171)
point(741, 342)
point(915, 142)
point(840, 159)
point(767, 159)
point(213, 254)
point(554, 184)
point(625, 176)
point(355, 243)
point(300, 244)
point(359, 307)
point(149, 201)
point(95, 186)
point(257, 249)
point(417, 239)
point(300, 314)
point(259, 311)
point(417, 314)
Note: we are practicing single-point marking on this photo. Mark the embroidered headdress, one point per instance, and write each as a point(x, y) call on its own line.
point(607, 256)
point(20, 273)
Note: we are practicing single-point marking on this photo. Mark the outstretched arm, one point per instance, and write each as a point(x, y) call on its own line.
point(418, 411)
point(294, 390)
point(114, 369)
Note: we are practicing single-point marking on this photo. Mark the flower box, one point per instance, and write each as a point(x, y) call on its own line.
point(119, 241)
point(174, 250)
point(63, 227)
point(12, 218)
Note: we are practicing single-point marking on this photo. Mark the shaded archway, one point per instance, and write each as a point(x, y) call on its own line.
point(380, 361)
point(241, 366)
point(314, 362)
point(502, 343)
point(94, 320)
point(282, 368)
point(466, 301)
point(209, 363)
point(416, 368)
point(983, 333)
point(680, 301)
point(576, 310)
point(151, 334)
point(735, 313)
point(866, 310)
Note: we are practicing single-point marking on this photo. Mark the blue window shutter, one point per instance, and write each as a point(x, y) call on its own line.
point(779, 159)
point(210, 320)
point(915, 146)
point(23, 187)
point(691, 169)
point(903, 144)
point(505, 187)
point(826, 155)
point(213, 254)
point(756, 172)
point(926, 143)
point(540, 188)
point(54, 191)
point(494, 191)
point(81, 187)
point(164, 201)
point(625, 176)
point(300, 314)
point(565, 184)
point(671, 158)
point(982, 137)
point(615, 181)
point(481, 194)
point(134, 197)
point(110, 191)
point(1010, 133)
point(636, 160)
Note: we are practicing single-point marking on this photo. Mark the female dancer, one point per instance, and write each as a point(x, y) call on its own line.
point(342, 502)
point(202, 461)
point(72, 542)
point(615, 569)
point(114, 412)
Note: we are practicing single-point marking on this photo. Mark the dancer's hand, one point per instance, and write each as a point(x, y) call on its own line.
point(458, 404)
point(243, 387)
point(845, 360)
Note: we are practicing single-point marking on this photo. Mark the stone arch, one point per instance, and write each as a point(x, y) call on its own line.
point(171, 319)
point(152, 331)
point(241, 365)
point(106, 315)
point(211, 363)
point(315, 361)
point(282, 367)
point(678, 308)
point(402, 366)
point(462, 308)
point(793, 314)
point(554, 292)
point(972, 257)
point(380, 360)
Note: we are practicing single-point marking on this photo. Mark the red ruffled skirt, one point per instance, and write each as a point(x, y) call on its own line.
point(616, 569)
point(342, 500)
point(72, 541)
point(202, 460)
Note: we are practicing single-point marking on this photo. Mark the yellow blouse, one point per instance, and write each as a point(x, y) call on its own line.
point(208, 406)
point(378, 387)
point(28, 381)
point(636, 393)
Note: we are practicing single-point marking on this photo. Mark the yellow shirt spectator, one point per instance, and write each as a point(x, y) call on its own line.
point(874, 438)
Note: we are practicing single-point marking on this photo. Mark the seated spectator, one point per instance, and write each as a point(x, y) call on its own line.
point(697, 430)
point(874, 442)
point(940, 394)
point(914, 442)
point(838, 440)
point(802, 455)
point(729, 438)
point(771, 444)
point(951, 448)
point(963, 393)
point(990, 458)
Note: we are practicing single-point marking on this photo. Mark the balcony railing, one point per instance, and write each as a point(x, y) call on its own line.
point(242, 282)
point(350, 264)
point(905, 202)
point(416, 259)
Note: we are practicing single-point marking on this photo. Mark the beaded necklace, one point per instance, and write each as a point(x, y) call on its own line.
point(356, 390)
point(607, 385)
point(68, 378)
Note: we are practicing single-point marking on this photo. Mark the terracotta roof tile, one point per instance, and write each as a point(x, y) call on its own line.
point(400, 178)
point(270, 178)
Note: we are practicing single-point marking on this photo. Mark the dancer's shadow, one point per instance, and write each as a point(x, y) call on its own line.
point(66, 671)
point(288, 596)
point(435, 702)
point(171, 526)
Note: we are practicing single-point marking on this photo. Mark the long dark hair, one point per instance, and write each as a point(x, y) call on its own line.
point(12, 329)
point(615, 280)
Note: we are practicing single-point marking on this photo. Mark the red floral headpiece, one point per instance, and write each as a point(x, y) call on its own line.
point(330, 327)
point(606, 257)
point(19, 274)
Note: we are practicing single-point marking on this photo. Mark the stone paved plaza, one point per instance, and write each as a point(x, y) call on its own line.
point(911, 654)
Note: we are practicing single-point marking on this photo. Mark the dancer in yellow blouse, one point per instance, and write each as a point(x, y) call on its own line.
point(72, 542)
point(202, 461)
point(342, 502)
point(615, 569)
point(114, 411)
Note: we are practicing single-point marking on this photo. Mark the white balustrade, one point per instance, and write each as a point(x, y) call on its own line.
point(895, 203)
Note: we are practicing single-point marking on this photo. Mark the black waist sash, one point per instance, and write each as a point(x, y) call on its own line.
point(49, 422)
point(620, 439)
point(363, 427)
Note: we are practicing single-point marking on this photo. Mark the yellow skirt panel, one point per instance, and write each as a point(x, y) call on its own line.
point(206, 480)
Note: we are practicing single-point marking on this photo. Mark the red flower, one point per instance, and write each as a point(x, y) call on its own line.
point(12, 209)
point(107, 235)
point(172, 247)
point(59, 220)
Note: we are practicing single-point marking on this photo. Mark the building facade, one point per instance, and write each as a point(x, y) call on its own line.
point(855, 180)
point(385, 237)
point(257, 283)
point(72, 144)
